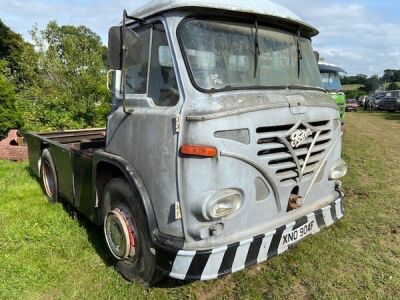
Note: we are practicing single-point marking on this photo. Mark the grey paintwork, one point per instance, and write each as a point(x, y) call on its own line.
point(148, 139)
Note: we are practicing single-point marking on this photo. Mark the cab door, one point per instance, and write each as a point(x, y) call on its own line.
point(147, 136)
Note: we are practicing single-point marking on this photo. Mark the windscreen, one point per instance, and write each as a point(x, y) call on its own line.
point(392, 95)
point(331, 81)
point(223, 55)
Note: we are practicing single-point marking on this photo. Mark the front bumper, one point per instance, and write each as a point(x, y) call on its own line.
point(217, 262)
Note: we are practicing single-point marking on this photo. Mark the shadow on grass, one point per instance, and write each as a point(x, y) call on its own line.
point(95, 236)
point(29, 171)
point(94, 232)
point(392, 116)
point(169, 283)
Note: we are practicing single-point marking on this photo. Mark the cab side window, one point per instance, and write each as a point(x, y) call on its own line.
point(163, 87)
point(136, 77)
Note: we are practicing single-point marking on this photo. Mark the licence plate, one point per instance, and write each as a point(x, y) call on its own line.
point(298, 234)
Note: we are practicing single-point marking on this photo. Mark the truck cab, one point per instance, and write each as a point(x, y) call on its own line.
point(222, 149)
point(331, 80)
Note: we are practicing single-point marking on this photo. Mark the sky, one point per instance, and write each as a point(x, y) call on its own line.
point(362, 36)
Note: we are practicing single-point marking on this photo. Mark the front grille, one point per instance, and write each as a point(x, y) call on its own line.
point(276, 155)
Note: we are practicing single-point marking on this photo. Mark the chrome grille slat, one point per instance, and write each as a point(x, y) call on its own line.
point(275, 156)
point(270, 146)
point(268, 135)
point(284, 165)
point(287, 175)
point(322, 137)
point(310, 169)
point(313, 158)
point(274, 153)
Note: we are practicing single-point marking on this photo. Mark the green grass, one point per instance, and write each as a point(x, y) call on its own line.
point(45, 254)
point(351, 87)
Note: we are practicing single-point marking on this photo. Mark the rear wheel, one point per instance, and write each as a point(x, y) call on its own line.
point(49, 176)
point(127, 235)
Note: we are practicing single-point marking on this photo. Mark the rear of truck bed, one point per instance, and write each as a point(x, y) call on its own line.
point(72, 153)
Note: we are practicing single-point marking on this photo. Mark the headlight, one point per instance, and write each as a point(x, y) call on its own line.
point(222, 204)
point(338, 170)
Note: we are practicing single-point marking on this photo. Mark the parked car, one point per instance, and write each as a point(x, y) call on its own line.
point(391, 103)
point(351, 105)
point(379, 100)
point(215, 157)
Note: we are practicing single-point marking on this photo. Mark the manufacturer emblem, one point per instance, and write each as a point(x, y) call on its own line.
point(299, 136)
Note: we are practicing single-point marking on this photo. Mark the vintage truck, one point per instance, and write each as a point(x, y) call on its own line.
point(222, 148)
point(331, 80)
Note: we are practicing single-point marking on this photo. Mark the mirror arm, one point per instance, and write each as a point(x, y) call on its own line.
point(123, 54)
point(128, 17)
point(123, 71)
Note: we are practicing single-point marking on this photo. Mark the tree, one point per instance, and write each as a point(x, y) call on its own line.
point(19, 55)
point(69, 91)
point(358, 79)
point(391, 75)
point(8, 113)
point(393, 86)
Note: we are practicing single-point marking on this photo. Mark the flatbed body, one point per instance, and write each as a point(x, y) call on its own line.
point(72, 152)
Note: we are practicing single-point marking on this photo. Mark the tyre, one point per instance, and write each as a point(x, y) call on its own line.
point(49, 176)
point(127, 234)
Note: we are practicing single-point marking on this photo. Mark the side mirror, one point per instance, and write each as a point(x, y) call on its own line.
point(119, 37)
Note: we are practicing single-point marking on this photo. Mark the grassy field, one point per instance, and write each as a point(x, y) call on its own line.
point(46, 254)
point(355, 87)
point(351, 87)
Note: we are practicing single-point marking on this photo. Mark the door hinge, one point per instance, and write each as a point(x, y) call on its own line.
point(178, 214)
point(177, 123)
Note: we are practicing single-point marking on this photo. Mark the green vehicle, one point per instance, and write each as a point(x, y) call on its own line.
point(331, 80)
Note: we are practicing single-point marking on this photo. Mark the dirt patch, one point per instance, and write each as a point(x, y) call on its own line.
point(13, 147)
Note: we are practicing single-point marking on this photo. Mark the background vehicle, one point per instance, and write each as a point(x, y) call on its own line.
point(379, 100)
point(368, 105)
point(391, 102)
point(331, 79)
point(351, 105)
point(362, 101)
point(222, 148)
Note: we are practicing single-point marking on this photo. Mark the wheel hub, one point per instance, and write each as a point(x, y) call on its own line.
point(120, 234)
point(48, 179)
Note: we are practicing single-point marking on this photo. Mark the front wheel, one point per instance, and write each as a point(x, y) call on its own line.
point(127, 234)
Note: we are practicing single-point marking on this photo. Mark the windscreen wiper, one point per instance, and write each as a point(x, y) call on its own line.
point(299, 52)
point(257, 51)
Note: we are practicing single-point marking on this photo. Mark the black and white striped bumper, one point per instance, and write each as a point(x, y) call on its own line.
point(214, 263)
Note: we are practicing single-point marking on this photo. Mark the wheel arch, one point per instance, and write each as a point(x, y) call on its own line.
point(107, 166)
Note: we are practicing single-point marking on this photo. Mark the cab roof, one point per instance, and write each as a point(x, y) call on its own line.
point(325, 67)
point(255, 7)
